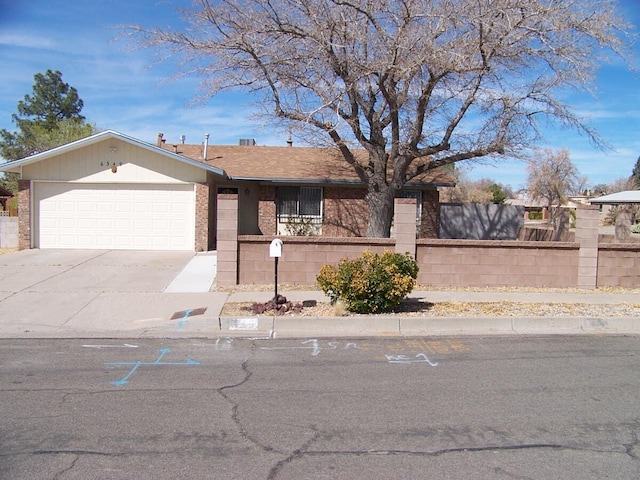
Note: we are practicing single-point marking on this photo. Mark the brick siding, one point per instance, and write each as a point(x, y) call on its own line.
point(346, 213)
point(267, 210)
point(24, 214)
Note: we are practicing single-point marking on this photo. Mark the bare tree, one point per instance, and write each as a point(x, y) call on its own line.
point(417, 84)
point(552, 176)
point(484, 190)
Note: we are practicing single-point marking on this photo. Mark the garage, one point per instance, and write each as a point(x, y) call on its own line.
point(114, 216)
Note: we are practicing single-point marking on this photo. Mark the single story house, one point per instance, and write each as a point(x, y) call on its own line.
point(5, 195)
point(113, 191)
point(628, 197)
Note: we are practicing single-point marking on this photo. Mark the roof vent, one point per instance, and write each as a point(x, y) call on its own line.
point(205, 147)
point(247, 142)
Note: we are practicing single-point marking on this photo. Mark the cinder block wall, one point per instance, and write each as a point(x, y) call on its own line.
point(302, 257)
point(404, 226)
point(443, 263)
point(227, 265)
point(619, 265)
point(492, 263)
point(8, 232)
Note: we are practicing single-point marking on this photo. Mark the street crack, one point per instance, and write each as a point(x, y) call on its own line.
point(296, 454)
point(235, 416)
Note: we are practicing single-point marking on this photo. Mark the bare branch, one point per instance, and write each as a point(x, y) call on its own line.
point(418, 84)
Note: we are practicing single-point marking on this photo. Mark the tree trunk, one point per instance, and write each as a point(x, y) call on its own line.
point(380, 212)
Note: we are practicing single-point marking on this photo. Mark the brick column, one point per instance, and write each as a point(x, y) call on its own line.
point(587, 222)
point(227, 242)
point(404, 225)
point(24, 214)
point(202, 217)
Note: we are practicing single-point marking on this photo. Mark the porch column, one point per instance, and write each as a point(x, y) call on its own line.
point(587, 221)
point(404, 225)
point(202, 217)
point(24, 214)
point(227, 242)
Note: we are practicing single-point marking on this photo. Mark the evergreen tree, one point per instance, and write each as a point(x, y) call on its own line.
point(635, 174)
point(46, 119)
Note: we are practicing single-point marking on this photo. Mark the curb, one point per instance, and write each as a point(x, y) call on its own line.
point(384, 326)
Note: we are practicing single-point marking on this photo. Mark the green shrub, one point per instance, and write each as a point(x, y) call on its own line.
point(635, 228)
point(371, 283)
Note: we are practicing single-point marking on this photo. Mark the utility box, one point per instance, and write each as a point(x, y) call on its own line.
point(275, 249)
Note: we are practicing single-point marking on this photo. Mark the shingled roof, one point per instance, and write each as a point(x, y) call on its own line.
point(289, 164)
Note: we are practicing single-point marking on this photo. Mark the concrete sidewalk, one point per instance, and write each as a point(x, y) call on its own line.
point(124, 294)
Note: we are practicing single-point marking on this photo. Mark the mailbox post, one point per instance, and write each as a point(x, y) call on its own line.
point(275, 251)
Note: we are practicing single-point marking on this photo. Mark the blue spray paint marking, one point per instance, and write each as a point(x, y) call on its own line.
point(137, 364)
point(182, 321)
point(184, 314)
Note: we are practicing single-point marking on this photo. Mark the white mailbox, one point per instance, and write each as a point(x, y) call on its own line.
point(275, 249)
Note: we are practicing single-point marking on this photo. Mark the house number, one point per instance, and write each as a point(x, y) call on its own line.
point(108, 164)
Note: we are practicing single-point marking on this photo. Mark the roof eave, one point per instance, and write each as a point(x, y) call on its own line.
point(327, 181)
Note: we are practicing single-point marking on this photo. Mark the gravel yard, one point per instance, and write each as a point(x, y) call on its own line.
point(421, 308)
point(463, 309)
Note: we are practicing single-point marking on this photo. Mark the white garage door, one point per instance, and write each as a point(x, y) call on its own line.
point(136, 217)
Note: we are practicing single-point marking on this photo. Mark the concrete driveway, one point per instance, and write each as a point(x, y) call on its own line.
point(67, 293)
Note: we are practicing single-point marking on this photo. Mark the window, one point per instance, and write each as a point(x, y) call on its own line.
point(299, 202)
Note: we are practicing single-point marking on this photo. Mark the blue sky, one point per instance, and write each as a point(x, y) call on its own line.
point(122, 91)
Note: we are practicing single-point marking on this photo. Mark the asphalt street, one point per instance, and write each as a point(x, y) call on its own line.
point(347, 408)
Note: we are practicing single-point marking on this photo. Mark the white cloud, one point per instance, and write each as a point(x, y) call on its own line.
point(25, 40)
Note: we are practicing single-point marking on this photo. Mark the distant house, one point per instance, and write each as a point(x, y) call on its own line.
point(628, 197)
point(534, 209)
point(113, 191)
point(5, 195)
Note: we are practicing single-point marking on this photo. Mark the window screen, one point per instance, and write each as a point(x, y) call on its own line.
point(299, 201)
point(288, 201)
point(310, 201)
